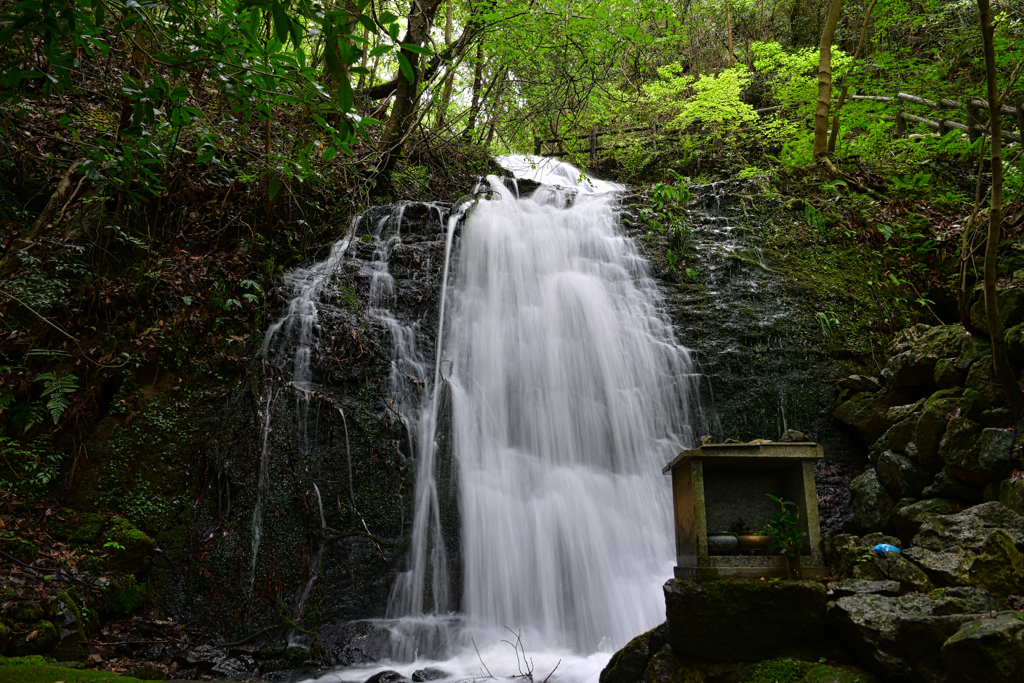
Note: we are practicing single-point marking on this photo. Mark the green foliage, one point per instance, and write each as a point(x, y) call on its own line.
point(56, 386)
point(27, 469)
point(793, 74)
point(783, 527)
point(130, 593)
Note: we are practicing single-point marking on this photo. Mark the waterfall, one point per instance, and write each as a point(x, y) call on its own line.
point(555, 393)
point(569, 392)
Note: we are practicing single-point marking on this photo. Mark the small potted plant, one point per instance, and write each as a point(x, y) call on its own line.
point(785, 537)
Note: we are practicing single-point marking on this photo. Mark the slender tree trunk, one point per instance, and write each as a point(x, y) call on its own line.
point(1004, 374)
point(825, 80)
point(846, 87)
point(728, 21)
point(446, 95)
point(478, 77)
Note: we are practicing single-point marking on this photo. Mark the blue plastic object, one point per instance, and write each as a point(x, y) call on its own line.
point(883, 548)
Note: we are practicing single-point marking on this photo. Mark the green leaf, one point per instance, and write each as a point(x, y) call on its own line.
point(419, 49)
point(282, 24)
point(345, 94)
point(406, 67)
point(387, 18)
point(329, 153)
point(273, 188)
point(379, 50)
point(204, 158)
point(334, 64)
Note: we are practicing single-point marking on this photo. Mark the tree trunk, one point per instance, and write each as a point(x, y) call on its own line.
point(421, 18)
point(856, 56)
point(446, 96)
point(1004, 374)
point(825, 80)
point(728, 21)
point(478, 77)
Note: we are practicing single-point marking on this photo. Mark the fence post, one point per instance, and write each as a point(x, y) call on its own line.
point(593, 145)
point(973, 121)
point(901, 124)
point(536, 146)
point(1019, 104)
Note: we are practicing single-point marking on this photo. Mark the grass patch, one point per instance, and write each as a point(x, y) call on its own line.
point(36, 669)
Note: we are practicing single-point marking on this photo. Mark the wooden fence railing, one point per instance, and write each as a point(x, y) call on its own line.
point(972, 108)
point(594, 136)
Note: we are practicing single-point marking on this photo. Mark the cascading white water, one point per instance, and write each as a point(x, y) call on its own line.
point(569, 393)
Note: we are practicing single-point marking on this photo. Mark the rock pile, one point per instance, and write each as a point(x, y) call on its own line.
point(938, 429)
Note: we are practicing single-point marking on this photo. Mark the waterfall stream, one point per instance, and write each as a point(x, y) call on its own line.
point(563, 391)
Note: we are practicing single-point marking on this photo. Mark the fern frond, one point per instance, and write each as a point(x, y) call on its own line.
point(57, 405)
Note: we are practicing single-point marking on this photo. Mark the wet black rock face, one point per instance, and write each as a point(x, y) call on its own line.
point(336, 501)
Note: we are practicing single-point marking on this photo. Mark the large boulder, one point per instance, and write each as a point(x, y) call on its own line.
point(853, 557)
point(872, 504)
point(946, 375)
point(1011, 309)
point(958, 445)
point(982, 378)
point(931, 427)
point(976, 455)
point(900, 475)
point(948, 486)
point(920, 639)
point(943, 567)
point(867, 624)
point(1011, 494)
point(864, 413)
point(901, 434)
point(908, 518)
point(905, 339)
point(899, 568)
point(970, 529)
point(910, 369)
point(1000, 566)
point(987, 650)
point(629, 664)
point(665, 668)
point(749, 621)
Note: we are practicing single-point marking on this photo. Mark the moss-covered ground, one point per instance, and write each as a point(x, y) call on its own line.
point(37, 669)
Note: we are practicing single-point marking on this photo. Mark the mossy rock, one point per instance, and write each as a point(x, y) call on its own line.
point(1000, 567)
point(134, 549)
point(982, 378)
point(776, 671)
point(19, 548)
point(865, 413)
point(1011, 494)
point(707, 620)
point(823, 673)
point(989, 650)
point(872, 504)
point(79, 528)
point(908, 518)
point(28, 611)
point(628, 664)
point(39, 638)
